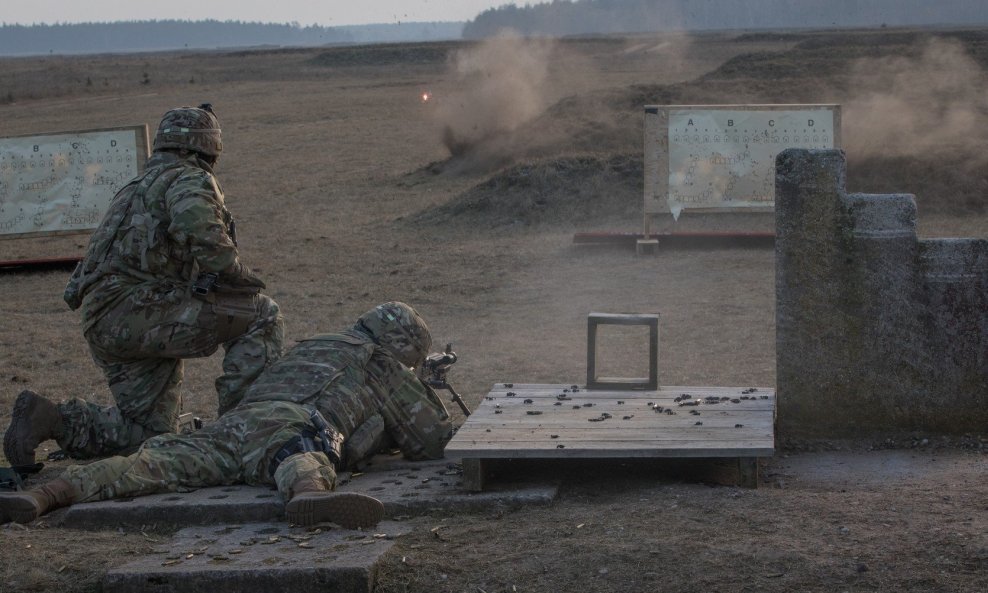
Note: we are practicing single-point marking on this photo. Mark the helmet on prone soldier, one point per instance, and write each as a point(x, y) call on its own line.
point(190, 128)
point(400, 330)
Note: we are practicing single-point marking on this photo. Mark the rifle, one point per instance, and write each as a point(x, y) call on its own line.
point(437, 365)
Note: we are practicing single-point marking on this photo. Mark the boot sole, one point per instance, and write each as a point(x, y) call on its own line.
point(347, 509)
point(23, 410)
point(20, 508)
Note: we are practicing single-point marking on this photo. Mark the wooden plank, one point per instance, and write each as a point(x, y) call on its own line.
point(591, 416)
point(693, 433)
point(468, 447)
point(546, 427)
point(748, 472)
point(599, 417)
point(674, 389)
point(473, 474)
point(502, 427)
point(637, 405)
point(577, 409)
point(614, 450)
point(44, 262)
point(628, 395)
point(536, 414)
point(630, 398)
point(693, 424)
point(697, 434)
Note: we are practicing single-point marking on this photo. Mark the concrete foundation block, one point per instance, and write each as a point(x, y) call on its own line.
point(259, 557)
point(877, 331)
point(406, 488)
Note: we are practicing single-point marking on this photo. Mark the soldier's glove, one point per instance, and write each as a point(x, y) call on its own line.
point(240, 276)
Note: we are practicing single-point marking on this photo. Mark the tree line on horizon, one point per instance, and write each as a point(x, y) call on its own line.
point(554, 18)
point(161, 35)
point(584, 17)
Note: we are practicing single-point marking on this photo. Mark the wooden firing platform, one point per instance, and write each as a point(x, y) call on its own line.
point(561, 422)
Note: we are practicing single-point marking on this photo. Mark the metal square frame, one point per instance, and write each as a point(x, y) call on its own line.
point(648, 319)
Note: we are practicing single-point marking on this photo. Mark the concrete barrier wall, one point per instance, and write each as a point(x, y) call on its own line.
point(877, 331)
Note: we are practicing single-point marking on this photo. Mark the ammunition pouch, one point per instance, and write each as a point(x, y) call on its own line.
point(368, 438)
point(235, 311)
point(318, 437)
point(235, 308)
point(421, 426)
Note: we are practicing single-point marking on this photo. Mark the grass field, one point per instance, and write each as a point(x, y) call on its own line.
point(350, 190)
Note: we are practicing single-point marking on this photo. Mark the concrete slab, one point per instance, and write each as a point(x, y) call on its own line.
point(832, 470)
point(259, 557)
point(411, 489)
point(208, 506)
point(406, 489)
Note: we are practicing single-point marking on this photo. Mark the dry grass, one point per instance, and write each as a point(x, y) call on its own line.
point(328, 171)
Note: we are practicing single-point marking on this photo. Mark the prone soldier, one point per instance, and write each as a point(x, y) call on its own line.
point(330, 401)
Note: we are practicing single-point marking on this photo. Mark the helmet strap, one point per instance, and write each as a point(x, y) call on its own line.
point(208, 160)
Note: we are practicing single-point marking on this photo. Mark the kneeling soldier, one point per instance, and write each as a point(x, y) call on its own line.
point(162, 281)
point(330, 401)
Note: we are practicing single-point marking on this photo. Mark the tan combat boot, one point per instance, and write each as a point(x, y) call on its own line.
point(34, 420)
point(313, 503)
point(28, 505)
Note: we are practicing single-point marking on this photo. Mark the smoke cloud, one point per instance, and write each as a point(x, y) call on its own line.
point(910, 106)
point(499, 87)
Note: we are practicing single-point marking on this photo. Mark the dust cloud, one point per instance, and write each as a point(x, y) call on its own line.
point(499, 85)
point(911, 106)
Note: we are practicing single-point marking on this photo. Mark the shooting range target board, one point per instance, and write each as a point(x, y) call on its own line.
point(552, 422)
point(713, 158)
point(62, 183)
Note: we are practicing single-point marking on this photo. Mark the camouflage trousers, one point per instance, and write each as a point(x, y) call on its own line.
point(237, 448)
point(140, 347)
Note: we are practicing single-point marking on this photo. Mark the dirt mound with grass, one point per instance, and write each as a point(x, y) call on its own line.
point(947, 174)
point(388, 54)
point(582, 192)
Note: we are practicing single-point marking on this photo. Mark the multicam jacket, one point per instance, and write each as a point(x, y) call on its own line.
point(162, 229)
point(354, 383)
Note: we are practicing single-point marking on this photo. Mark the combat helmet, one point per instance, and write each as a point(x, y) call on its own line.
point(190, 128)
point(399, 329)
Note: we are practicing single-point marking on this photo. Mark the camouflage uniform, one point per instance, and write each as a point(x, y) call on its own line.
point(360, 387)
point(162, 231)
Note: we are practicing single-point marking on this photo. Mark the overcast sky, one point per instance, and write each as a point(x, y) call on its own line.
point(305, 12)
